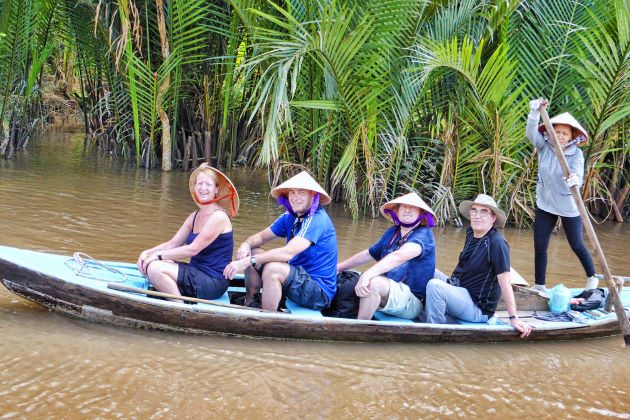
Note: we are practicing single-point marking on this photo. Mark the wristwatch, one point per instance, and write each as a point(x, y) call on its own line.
point(252, 260)
point(511, 317)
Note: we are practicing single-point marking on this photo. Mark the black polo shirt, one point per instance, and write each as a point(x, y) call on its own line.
point(481, 260)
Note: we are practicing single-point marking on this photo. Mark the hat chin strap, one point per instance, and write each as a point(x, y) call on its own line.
point(214, 200)
point(282, 200)
point(428, 216)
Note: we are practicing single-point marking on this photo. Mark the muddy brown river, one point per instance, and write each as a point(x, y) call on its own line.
point(59, 196)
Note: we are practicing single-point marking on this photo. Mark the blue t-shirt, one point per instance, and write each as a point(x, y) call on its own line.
point(320, 259)
point(415, 272)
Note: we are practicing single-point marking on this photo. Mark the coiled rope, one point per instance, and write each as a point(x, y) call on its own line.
point(83, 265)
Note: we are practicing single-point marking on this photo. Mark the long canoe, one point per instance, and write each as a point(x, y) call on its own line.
point(51, 280)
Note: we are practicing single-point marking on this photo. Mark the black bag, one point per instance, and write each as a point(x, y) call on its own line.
point(345, 304)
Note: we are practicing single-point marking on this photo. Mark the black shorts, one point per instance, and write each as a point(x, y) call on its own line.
point(303, 290)
point(193, 282)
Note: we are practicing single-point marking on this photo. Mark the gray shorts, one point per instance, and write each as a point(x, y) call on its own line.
point(303, 290)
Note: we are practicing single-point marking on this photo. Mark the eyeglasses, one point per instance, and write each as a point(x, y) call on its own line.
point(480, 212)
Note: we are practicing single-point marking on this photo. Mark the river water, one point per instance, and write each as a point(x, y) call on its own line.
point(59, 196)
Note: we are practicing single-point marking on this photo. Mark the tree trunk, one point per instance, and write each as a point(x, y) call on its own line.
point(206, 138)
point(186, 156)
point(166, 124)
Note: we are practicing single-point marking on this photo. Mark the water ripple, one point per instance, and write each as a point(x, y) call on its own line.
point(56, 367)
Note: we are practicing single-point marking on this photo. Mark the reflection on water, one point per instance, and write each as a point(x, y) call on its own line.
point(59, 197)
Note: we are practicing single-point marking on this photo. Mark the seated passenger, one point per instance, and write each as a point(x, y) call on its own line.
point(305, 268)
point(482, 274)
point(405, 257)
point(206, 238)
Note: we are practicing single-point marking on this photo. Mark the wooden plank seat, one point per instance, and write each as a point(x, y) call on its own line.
point(384, 317)
point(381, 316)
point(296, 309)
point(492, 322)
point(224, 299)
point(291, 306)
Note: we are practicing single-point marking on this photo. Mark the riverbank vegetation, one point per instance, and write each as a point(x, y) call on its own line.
point(374, 97)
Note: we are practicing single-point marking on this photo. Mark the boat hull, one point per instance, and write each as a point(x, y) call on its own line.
point(131, 310)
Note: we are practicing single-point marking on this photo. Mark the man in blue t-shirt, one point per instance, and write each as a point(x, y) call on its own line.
point(405, 255)
point(482, 274)
point(305, 268)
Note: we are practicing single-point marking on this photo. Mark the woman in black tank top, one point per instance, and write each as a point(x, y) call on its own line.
point(206, 237)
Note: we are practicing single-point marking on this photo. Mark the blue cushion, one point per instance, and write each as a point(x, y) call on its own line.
point(381, 316)
point(225, 299)
point(296, 309)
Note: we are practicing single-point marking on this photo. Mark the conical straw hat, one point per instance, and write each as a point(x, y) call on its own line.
point(411, 199)
point(567, 119)
point(301, 181)
point(227, 194)
point(484, 200)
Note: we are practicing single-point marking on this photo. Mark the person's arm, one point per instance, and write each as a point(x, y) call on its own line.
point(576, 169)
point(387, 263)
point(357, 259)
point(508, 297)
point(178, 239)
point(533, 119)
point(257, 240)
point(282, 254)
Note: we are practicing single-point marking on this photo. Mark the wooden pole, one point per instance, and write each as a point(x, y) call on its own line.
point(624, 323)
point(124, 288)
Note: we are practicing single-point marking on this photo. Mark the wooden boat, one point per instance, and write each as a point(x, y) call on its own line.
point(50, 280)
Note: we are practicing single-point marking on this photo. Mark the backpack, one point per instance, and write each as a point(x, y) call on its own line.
point(345, 304)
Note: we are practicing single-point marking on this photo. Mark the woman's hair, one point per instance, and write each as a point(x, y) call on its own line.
point(203, 169)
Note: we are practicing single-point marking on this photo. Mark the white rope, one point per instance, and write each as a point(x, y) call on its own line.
point(82, 265)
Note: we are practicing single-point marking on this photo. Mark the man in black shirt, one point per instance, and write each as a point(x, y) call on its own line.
point(482, 274)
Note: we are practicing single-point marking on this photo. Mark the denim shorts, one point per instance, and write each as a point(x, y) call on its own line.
point(193, 282)
point(402, 303)
point(303, 290)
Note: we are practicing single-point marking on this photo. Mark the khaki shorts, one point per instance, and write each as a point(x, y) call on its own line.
point(402, 303)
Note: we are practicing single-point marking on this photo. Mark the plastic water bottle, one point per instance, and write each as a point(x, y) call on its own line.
point(560, 300)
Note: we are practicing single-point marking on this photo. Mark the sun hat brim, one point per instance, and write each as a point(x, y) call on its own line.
point(301, 181)
point(567, 119)
point(411, 199)
point(230, 201)
point(484, 200)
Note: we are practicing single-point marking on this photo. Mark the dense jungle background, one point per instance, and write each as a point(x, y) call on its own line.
point(373, 97)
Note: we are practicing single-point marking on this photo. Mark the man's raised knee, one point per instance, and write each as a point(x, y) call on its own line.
point(435, 286)
point(275, 271)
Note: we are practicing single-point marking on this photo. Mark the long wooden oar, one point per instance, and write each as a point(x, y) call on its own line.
point(124, 288)
point(624, 323)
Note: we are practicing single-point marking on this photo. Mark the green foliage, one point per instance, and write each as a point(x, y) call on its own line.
point(374, 97)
